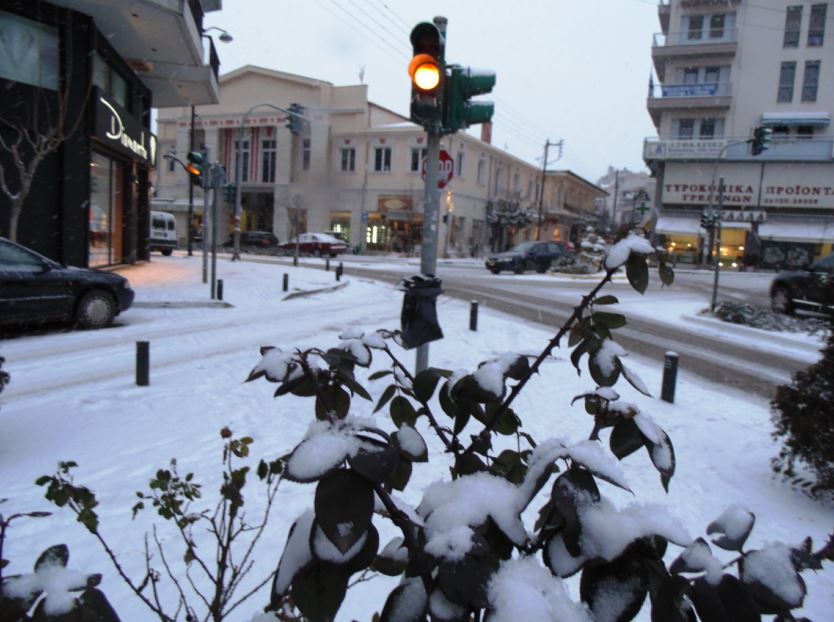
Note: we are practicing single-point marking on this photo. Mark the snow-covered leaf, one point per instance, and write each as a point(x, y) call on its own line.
point(57, 555)
point(698, 557)
point(634, 380)
point(402, 412)
point(732, 528)
point(464, 581)
point(374, 340)
point(637, 272)
point(324, 450)
point(344, 504)
point(728, 600)
point(392, 559)
point(770, 576)
point(374, 460)
point(411, 443)
point(593, 457)
point(615, 590)
point(425, 383)
point(407, 603)
point(296, 555)
point(319, 589)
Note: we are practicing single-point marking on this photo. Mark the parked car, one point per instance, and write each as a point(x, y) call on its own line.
point(317, 244)
point(538, 256)
point(35, 289)
point(163, 234)
point(263, 242)
point(338, 235)
point(808, 290)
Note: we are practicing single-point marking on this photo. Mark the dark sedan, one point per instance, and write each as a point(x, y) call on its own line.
point(807, 290)
point(34, 289)
point(538, 256)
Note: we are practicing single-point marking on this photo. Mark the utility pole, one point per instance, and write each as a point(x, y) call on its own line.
point(191, 186)
point(717, 243)
point(616, 194)
point(206, 186)
point(547, 144)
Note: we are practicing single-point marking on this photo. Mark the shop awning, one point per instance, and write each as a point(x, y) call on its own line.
point(682, 225)
point(796, 118)
point(797, 231)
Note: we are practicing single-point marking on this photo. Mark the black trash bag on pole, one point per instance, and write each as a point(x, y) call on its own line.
point(419, 314)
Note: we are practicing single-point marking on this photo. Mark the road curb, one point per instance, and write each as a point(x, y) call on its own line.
point(749, 331)
point(310, 292)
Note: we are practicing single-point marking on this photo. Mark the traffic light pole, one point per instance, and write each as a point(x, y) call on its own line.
point(217, 181)
point(206, 186)
point(717, 244)
point(428, 250)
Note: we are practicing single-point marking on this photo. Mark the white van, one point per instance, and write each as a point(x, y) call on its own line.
point(163, 236)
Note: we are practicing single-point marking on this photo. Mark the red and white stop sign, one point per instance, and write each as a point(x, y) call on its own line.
point(445, 169)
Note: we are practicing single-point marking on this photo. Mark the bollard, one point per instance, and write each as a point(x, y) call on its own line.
point(339, 270)
point(327, 264)
point(670, 376)
point(473, 315)
point(286, 281)
point(143, 363)
point(295, 260)
point(219, 289)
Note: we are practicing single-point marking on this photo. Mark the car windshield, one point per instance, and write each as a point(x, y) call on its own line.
point(523, 247)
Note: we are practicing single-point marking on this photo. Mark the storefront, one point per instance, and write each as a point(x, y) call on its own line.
point(123, 152)
point(395, 226)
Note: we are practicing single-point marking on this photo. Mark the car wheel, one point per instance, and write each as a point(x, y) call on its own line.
point(495, 270)
point(541, 268)
point(167, 251)
point(518, 268)
point(96, 309)
point(780, 300)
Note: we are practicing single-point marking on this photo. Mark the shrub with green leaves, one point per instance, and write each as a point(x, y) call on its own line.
point(803, 413)
point(465, 552)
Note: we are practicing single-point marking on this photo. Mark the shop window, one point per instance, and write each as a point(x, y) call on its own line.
point(787, 74)
point(348, 160)
point(242, 152)
point(810, 81)
point(104, 237)
point(417, 155)
point(816, 27)
point(805, 131)
point(340, 224)
point(382, 159)
point(781, 131)
point(269, 150)
point(28, 52)
point(793, 21)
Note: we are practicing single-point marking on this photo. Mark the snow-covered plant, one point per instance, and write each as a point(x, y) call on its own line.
point(216, 559)
point(465, 551)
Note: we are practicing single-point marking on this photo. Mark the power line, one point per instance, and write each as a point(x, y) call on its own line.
point(395, 14)
point(363, 25)
point(403, 29)
point(373, 19)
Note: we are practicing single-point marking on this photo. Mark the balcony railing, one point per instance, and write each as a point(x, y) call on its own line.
point(214, 59)
point(695, 38)
point(701, 89)
point(781, 149)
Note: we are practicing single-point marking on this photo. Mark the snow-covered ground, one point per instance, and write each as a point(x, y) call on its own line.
point(72, 397)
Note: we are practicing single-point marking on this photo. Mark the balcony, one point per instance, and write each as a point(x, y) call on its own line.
point(675, 45)
point(161, 40)
point(781, 150)
point(663, 97)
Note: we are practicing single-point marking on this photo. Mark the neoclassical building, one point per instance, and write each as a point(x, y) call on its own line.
point(355, 168)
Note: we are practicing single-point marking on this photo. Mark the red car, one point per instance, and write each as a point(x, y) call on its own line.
point(317, 244)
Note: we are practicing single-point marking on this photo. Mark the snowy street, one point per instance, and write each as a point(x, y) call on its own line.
point(72, 396)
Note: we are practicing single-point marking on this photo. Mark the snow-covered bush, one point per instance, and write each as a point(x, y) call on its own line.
point(803, 413)
point(758, 317)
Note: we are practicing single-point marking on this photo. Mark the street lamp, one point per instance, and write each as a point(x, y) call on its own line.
point(225, 37)
point(239, 170)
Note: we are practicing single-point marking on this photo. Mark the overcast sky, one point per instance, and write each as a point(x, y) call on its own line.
point(574, 70)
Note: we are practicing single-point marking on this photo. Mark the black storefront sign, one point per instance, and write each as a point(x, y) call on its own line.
point(120, 131)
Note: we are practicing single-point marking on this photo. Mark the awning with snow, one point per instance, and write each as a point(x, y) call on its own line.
point(796, 118)
point(682, 225)
point(818, 232)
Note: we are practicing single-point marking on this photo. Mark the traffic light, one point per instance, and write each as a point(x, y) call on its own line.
point(295, 120)
point(761, 140)
point(195, 167)
point(426, 72)
point(461, 85)
point(705, 220)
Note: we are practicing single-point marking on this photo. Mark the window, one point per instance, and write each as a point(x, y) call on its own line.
point(516, 183)
point(816, 27)
point(481, 171)
point(269, 149)
point(690, 75)
point(805, 131)
point(417, 155)
point(242, 151)
point(382, 159)
point(459, 165)
point(707, 128)
point(305, 154)
point(782, 131)
point(696, 25)
point(348, 160)
point(716, 26)
point(810, 80)
point(499, 174)
point(686, 128)
point(28, 52)
point(712, 75)
point(793, 20)
point(787, 72)
point(172, 165)
point(111, 83)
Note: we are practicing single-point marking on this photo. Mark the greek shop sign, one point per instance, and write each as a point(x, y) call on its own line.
point(120, 131)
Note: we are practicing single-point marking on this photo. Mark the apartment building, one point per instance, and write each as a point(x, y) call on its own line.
point(724, 68)
point(355, 169)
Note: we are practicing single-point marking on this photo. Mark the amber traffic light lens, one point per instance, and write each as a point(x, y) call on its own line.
point(424, 72)
point(193, 169)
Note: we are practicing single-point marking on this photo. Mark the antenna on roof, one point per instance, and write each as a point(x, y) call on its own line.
point(362, 74)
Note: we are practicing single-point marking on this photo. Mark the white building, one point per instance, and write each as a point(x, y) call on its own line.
point(356, 169)
point(726, 67)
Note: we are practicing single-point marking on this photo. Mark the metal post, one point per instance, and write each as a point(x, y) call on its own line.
point(670, 377)
point(190, 185)
point(219, 289)
point(216, 183)
point(541, 190)
point(286, 284)
point(339, 270)
point(143, 363)
point(473, 315)
point(206, 184)
point(238, 175)
point(428, 251)
point(327, 264)
point(717, 243)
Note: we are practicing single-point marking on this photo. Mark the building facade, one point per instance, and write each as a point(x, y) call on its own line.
point(356, 168)
point(630, 197)
point(85, 74)
point(724, 68)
